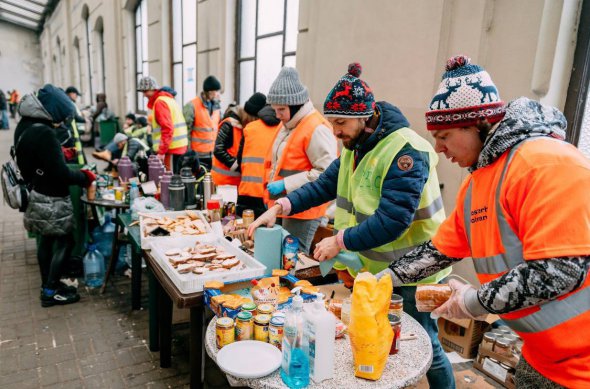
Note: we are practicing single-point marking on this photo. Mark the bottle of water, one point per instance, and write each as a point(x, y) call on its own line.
point(93, 267)
point(102, 237)
point(133, 195)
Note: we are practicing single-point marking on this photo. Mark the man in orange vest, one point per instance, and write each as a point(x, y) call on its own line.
point(225, 164)
point(14, 100)
point(302, 149)
point(203, 113)
point(257, 139)
point(169, 132)
point(523, 216)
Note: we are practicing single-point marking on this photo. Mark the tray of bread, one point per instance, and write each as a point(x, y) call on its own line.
point(190, 261)
point(157, 225)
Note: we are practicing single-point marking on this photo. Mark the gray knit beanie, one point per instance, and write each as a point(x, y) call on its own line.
point(287, 89)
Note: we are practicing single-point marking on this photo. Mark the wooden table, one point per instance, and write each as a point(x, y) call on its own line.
point(162, 294)
point(402, 370)
point(122, 223)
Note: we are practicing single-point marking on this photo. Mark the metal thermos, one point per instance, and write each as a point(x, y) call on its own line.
point(125, 169)
point(164, 190)
point(153, 167)
point(176, 190)
point(208, 188)
point(190, 184)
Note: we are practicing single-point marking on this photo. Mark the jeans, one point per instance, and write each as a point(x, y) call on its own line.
point(5, 119)
point(303, 229)
point(440, 375)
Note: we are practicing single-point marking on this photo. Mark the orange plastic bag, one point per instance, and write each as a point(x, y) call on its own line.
point(370, 332)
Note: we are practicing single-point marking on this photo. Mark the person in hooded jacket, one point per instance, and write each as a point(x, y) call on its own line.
point(49, 213)
point(522, 215)
point(229, 137)
point(257, 140)
point(387, 196)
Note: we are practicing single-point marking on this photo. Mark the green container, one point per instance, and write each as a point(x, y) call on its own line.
point(79, 232)
point(108, 129)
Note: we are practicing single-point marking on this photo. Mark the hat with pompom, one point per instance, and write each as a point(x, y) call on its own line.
point(465, 96)
point(351, 97)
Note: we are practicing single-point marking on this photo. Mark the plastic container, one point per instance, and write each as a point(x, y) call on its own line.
point(93, 267)
point(102, 237)
point(164, 192)
point(214, 209)
point(295, 363)
point(133, 195)
point(319, 340)
point(125, 169)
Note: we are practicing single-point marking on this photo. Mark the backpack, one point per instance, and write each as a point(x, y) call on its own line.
point(14, 188)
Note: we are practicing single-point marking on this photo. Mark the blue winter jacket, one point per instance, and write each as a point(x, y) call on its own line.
point(400, 194)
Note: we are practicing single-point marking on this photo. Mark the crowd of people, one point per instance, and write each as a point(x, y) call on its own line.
point(524, 222)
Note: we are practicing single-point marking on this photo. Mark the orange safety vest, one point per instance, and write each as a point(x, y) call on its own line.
point(220, 173)
point(294, 160)
point(204, 130)
point(556, 342)
point(258, 139)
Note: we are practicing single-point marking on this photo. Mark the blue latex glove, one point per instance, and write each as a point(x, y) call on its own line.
point(276, 188)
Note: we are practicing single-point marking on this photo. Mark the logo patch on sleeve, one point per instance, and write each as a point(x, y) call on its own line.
point(405, 162)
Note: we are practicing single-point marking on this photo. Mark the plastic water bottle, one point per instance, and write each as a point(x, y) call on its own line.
point(93, 267)
point(133, 195)
point(102, 237)
point(295, 363)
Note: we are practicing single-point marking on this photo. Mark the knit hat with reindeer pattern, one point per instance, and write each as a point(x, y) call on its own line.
point(465, 96)
point(351, 97)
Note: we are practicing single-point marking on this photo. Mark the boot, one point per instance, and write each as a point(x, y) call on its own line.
point(105, 155)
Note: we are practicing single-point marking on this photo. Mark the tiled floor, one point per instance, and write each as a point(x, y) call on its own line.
point(97, 343)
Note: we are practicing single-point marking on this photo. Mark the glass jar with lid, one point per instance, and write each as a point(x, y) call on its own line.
point(503, 347)
point(489, 339)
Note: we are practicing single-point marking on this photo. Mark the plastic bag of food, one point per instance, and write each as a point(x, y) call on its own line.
point(266, 291)
point(431, 296)
point(369, 330)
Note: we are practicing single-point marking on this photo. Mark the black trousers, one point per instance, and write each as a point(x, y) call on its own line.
point(248, 202)
point(51, 255)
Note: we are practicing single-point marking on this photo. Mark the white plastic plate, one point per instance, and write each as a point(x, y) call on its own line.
point(236, 359)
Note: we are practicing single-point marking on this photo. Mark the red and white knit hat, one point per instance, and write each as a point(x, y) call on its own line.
point(465, 95)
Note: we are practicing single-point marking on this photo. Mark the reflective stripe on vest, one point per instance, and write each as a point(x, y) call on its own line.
point(220, 173)
point(551, 313)
point(258, 138)
point(293, 160)
point(359, 193)
point(77, 143)
point(204, 127)
point(179, 136)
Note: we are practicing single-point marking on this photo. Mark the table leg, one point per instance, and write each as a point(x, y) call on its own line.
point(113, 259)
point(165, 319)
point(197, 348)
point(135, 280)
point(153, 308)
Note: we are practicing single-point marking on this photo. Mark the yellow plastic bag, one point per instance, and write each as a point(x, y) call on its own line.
point(370, 332)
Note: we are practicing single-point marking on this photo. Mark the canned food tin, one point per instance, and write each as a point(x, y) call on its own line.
point(261, 324)
point(224, 331)
point(265, 309)
point(244, 326)
point(248, 217)
point(396, 325)
point(275, 331)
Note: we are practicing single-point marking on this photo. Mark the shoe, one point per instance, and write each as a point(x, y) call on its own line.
point(49, 298)
point(62, 288)
point(104, 155)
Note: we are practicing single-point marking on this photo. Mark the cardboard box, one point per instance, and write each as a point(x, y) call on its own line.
point(492, 368)
point(463, 335)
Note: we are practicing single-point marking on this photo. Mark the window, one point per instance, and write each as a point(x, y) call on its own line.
point(102, 77)
point(184, 49)
point(141, 51)
point(78, 65)
point(85, 16)
point(267, 41)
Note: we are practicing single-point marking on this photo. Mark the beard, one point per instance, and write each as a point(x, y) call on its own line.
point(353, 142)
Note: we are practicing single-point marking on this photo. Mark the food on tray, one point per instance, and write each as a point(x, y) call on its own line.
point(279, 272)
point(202, 259)
point(231, 301)
point(431, 296)
point(266, 290)
point(188, 224)
point(284, 294)
point(310, 289)
point(214, 284)
point(303, 283)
